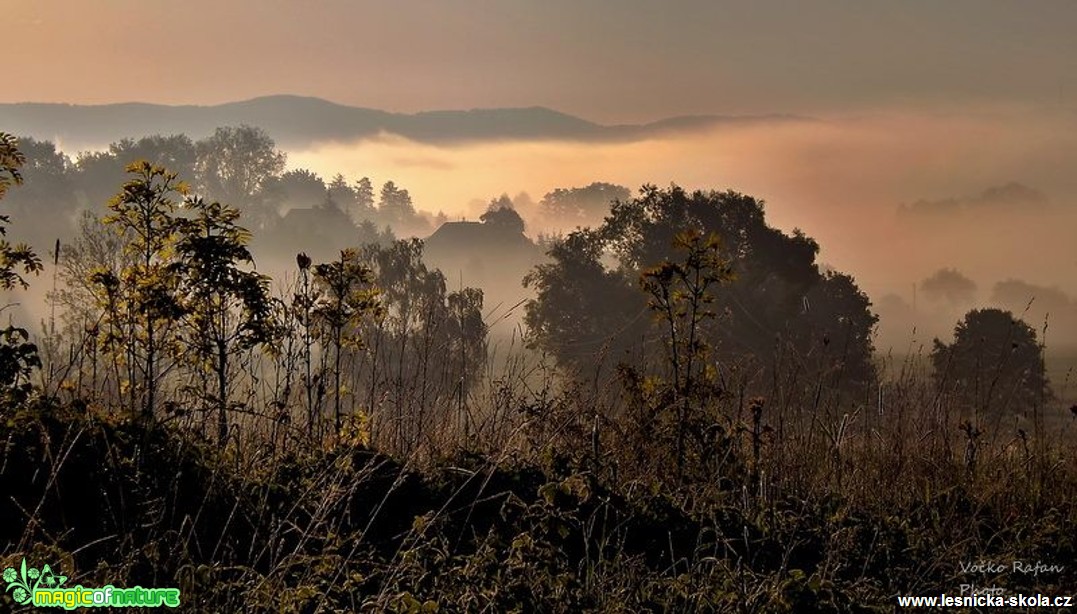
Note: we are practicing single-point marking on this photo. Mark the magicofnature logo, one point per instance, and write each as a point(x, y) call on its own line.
point(44, 588)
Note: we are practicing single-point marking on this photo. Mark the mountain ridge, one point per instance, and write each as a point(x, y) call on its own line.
point(303, 121)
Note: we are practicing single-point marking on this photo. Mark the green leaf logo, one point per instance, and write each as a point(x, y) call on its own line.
point(21, 583)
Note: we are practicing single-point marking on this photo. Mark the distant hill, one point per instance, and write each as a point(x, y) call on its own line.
point(296, 121)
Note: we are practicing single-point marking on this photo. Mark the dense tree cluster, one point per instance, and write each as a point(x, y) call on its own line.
point(696, 303)
point(428, 350)
point(179, 298)
point(164, 316)
point(238, 165)
point(775, 306)
point(263, 435)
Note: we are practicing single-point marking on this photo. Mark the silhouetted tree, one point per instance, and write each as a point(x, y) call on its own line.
point(949, 285)
point(581, 307)
point(1015, 294)
point(395, 203)
point(465, 335)
point(370, 235)
point(994, 364)
point(396, 209)
point(502, 215)
point(13, 257)
point(18, 356)
point(235, 164)
point(341, 195)
point(779, 303)
point(565, 209)
point(98, 173)
point(1038, 304)
point(299, 188)
point(429, 348)
point(364, 200)
point(47, 193)
point(42, 161)
point(175, 152)
point(228, 306)
point(141, 301)
point(348, 296)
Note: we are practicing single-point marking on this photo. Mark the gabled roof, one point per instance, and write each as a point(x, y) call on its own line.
point(471, 236)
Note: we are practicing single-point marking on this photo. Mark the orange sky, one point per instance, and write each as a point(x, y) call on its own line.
point(629, 60)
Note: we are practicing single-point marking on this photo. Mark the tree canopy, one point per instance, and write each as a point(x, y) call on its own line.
point(567, 208)
point(235, 164)
point(993, 366)
point(777, 306)
point(949, 285)
point(297, 188)
point(13, 257)
point(503, 215)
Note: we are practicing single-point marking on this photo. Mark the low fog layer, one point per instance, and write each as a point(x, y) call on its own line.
point(892, 197)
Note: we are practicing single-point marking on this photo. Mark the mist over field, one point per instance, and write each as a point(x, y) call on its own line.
point(503, 306)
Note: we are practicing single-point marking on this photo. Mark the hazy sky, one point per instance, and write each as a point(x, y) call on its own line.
point(610, 61)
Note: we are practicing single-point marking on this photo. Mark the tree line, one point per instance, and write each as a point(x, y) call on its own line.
point(238, 165)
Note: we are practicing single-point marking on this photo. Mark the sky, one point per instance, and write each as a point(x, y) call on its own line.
point(918, 100)
point(608, 61)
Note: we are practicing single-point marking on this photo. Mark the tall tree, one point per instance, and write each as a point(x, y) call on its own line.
point(581, 308)
point(46, 173)
point(348, 296)
point(97, 173)
point(395, 203)
point(298, 188)
point(141, 300)
point(341, 195)
point(235, 164)
point(13, 257)
point(18, 356)
point(364, 200)
point(175, 152)
point(228, 306)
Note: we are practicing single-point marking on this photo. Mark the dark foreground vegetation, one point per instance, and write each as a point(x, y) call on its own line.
point(705, 427)
point(348, 529)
